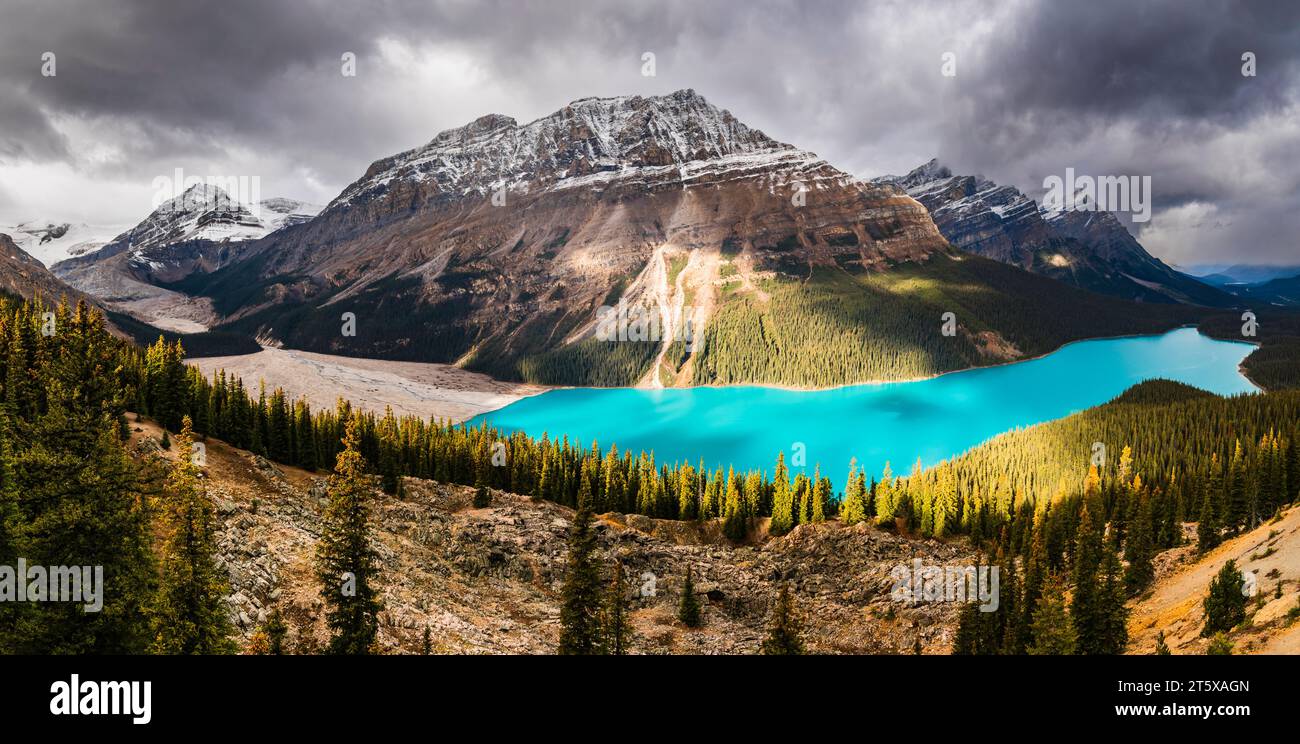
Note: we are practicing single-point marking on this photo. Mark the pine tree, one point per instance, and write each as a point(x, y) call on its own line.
point(1219, 646)
point(1052, 628)
point(1225, 606)
point(616, 627)
point(1207, 528)
point(821, 505)
point(1237, 496)
point(275, 632)
point(1162, 649)
point(688, 610)
point(783, 500)
point(966, 641)
point(580, 631)
point(854, 508)
point(346, 565)
point(1087, 608)
point(190, 616)
point(79, 500)
point(1138, 550)
point(784, 634)
point(1111, 610)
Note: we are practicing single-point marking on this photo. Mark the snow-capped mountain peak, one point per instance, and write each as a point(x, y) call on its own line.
point(208, 212)
point(588, 142)
point(50, 242)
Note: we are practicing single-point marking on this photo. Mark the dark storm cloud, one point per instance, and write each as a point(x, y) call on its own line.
point(1104, 87)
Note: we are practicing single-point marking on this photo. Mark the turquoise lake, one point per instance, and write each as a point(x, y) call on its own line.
point(934, 419)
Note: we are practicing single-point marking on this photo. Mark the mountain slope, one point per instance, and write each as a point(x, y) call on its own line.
point(1282, 291)
point(24, 276)
point(496, 246)
point(487, 580)
point(1091, 250)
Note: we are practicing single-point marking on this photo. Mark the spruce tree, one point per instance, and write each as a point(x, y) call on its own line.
point(1138, 549)
point(79, 500)
point(783, 500)
point(1207, 528)
point(580, 631)
point(1225, 606)
point(966, 641)
point(854, 508)
point(1162, 649)
point(784, 634)
point(1219, 646)
point(1052, 629)
point(688, 609)
point(1111, 610)
point(346, 565)
point(1087, 606)
point(821, 505)
point(190, 616)
point(275, 632)
point(616, 626)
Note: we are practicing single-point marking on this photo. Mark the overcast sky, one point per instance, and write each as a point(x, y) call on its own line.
point(254, 88)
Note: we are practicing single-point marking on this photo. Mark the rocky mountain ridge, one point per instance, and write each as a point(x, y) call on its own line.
point(1089, 249)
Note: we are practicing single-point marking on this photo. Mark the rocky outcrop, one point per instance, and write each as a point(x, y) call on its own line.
point(488, 580)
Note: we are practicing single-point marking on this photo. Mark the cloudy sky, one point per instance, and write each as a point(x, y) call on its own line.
point(255, 88)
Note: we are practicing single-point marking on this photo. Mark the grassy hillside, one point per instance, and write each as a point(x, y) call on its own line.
point(1173, 431)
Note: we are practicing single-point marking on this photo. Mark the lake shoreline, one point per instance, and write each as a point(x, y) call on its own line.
point(929, 421)
point(923, 378)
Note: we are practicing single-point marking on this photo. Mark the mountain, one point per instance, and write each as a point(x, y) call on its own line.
point(1221, 274)
point(1089, 249)
point(51, 242)
point(194, 231)
point(21, 275)
point(499, 246)
point(201, 212)
point(1282, 291)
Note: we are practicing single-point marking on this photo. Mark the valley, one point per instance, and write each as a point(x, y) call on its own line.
point(840, 376)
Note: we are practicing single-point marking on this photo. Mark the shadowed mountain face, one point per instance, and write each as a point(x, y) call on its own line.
point(1091, 250)
point(23, 276)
